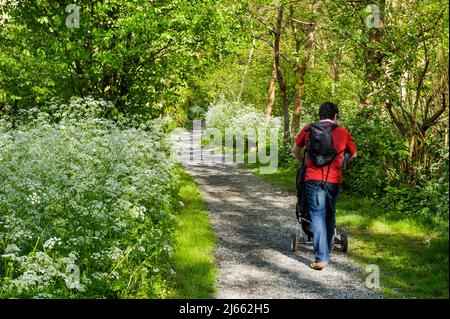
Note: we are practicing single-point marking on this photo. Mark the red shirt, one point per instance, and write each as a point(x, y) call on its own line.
point(342, 141)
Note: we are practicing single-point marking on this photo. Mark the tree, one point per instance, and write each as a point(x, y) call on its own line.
point(137, 54)
point(281, 82)
point(271, 93)
point(301, 67)
point(415, 79)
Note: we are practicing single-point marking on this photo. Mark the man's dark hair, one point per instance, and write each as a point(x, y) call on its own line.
point(328, 110)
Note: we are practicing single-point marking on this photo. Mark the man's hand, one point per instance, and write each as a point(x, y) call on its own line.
point(297, 151)
point(347, 159)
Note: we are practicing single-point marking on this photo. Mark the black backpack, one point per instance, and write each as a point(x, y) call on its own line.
point(320, 146)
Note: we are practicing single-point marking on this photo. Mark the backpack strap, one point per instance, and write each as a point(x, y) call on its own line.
point(328, 170)
point(326, 178)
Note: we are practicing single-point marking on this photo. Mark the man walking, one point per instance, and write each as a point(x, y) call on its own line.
point(325, 144)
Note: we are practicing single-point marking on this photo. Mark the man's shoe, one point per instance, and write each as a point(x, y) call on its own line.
point(318, 265)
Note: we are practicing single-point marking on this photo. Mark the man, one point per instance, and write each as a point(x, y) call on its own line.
point(322, 183)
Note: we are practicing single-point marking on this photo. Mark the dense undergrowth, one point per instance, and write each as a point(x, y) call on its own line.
point(87, 205)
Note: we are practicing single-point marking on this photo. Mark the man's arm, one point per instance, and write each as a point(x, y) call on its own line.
point(297, 151)
point(351, 148)
point(299, 144)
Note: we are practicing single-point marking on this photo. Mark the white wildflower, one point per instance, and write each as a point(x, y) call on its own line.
point(52, 242)
point(138, 212)
point(34, 199)
point(12, 249)
point(99, 275)
point(141, 249)
point(115, 253)
point(115, 275)
point(168, 248)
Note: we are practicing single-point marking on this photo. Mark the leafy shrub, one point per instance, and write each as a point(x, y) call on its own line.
point(379, 152)
point(79, 109)
point(57, 110)
point(86, 210)
point(246, 123)
point(237, 116)
point(430, 198)
point(196, 112)
point(376, 172)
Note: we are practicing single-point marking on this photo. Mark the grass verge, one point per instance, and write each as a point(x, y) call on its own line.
point(193, 257)
point(412, 255)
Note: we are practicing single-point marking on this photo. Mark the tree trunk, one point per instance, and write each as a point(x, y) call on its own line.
point(280, 78)
point(335, 68)
point(374, 60)
point(301, 68)
point(298, 91)
point(249, 60)
point(271, 94)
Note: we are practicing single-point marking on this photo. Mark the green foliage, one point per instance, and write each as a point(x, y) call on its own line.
point(237, 116)
point(224, 78)
point(430, 198)
point(86, 97)
point(377, 171)
point(137, 54)
point(80, 109)
point(196, 113)
point(379, 152)
point(223, 113)
point(245, 123)
point(85, 197)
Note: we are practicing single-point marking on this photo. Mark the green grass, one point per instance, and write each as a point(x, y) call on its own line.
point(284, 177)
point(413, 257)
point(193, 257)
point(412, 254)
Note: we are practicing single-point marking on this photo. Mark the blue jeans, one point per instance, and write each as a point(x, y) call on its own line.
point(322, 207)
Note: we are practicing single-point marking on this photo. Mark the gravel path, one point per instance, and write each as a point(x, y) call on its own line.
point(253, 220)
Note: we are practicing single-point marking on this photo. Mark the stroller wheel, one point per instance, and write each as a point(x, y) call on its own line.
point(344, 242)
point(294, 242)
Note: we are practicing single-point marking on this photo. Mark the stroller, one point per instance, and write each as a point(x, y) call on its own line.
point(305, 235)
